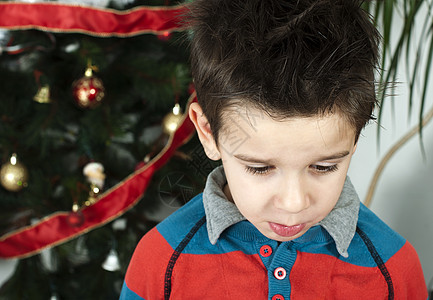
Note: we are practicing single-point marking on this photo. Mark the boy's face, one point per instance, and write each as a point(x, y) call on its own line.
point(284, 176)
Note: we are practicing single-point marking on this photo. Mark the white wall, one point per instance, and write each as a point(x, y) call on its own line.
point(404, 193)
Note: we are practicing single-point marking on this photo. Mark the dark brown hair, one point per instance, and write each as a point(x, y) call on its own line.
point(289, 58)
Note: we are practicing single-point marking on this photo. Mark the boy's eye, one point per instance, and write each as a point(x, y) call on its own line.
point(258, 170)
point(320, 169)
point(324, 169)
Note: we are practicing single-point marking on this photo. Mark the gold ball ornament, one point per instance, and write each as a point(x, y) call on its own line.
point(13, 175)
point(88, 91)
point(172, 120)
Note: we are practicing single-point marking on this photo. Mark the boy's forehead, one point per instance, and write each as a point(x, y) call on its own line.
point(253, 133)
point(249, 117)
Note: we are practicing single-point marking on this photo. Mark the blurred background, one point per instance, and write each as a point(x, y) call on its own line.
point(80, 113)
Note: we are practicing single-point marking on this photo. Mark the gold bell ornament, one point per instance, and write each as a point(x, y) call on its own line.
point(13, 175)
point(43, 95)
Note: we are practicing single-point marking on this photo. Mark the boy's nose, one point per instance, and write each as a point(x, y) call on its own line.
point(293, 197)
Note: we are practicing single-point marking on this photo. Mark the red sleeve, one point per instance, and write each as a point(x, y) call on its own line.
point(406, 271)
point(146, 270)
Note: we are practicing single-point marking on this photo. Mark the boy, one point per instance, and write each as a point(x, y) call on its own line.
point(284, 89)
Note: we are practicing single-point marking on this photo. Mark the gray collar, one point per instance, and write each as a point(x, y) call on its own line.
point(221, 213)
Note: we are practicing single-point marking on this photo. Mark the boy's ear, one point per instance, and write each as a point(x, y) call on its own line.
point(204, 131)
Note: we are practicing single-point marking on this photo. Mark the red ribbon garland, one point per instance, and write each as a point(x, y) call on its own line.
point(88, 20)
point(56, 228)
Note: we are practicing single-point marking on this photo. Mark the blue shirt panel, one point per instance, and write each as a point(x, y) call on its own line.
point(243, 236)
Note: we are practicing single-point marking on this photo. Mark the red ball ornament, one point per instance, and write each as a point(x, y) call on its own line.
point(88, 91)
point(75, 217)
point(165, 36)
point(191, 88)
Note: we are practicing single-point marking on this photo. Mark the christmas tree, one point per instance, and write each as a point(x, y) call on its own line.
point(93, 141)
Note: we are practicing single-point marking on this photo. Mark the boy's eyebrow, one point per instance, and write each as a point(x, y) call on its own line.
point(335, 156)
point(251, 159)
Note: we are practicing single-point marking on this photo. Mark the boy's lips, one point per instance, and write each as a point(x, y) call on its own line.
point(286, 231)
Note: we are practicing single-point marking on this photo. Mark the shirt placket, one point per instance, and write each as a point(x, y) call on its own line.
point(279, 261)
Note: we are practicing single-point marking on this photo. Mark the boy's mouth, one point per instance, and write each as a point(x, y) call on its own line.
point(286, 231)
